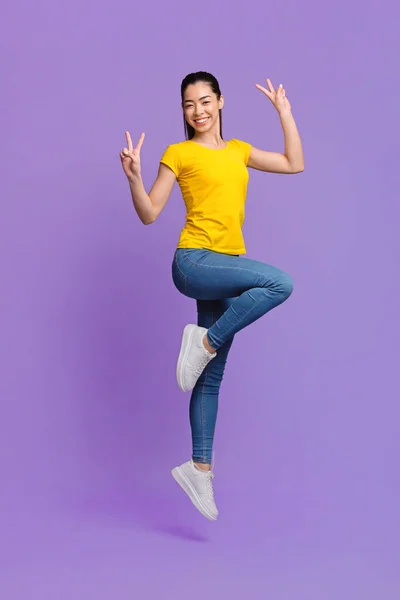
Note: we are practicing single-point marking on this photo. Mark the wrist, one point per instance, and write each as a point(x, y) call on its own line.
point(284, 114)
point(134, 179)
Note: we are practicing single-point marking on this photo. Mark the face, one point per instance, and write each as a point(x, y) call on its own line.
point(201, 107)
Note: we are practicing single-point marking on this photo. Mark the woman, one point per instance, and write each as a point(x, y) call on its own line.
point(231, 292)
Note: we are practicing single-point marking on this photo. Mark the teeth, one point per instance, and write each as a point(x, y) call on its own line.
point(201, 120)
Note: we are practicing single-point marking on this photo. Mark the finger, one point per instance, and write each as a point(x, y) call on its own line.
point(266, 92)
point(129, 140)
point(140, 142)
point(271, 87)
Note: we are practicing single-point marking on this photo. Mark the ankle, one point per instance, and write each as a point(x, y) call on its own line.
point(207, 345)
point(202, 466)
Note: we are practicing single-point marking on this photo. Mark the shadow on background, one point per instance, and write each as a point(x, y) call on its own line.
point(133, 419)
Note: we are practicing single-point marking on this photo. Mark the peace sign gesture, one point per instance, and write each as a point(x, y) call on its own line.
point(130, 157)
point(277, 97)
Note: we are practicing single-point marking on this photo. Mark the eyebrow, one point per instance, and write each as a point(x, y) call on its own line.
point(202, 98)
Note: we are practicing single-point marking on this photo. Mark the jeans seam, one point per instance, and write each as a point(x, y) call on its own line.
point(202, 408)
point(182, 273)
point(202, 417)
point(250, 311)
point(225, 267)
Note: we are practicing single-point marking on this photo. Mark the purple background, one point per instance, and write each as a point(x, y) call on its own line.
point(92, 421)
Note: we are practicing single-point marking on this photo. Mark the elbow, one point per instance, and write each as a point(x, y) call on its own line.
point(299, 169)
point(148, 221)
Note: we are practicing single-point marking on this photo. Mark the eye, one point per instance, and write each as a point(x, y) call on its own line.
point(206, 102)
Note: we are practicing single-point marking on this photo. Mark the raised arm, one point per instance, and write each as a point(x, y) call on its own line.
point(148, 206)
point(292, 160)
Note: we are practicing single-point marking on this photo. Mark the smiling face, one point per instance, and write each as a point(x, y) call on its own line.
point(201, 107)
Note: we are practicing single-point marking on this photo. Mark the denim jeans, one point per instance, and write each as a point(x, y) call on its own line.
point(231, 292)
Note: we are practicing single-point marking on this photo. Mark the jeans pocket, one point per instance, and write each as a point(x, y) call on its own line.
point(195, 256)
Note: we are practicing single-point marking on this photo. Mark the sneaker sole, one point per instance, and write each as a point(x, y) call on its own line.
point(180, 477)
point(187, 337)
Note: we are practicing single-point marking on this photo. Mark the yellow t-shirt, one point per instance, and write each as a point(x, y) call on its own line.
point(213, 183)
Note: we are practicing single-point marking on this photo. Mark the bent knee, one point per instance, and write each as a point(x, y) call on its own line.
point(286, 285)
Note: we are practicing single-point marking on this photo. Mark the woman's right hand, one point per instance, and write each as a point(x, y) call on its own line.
point(130, 157)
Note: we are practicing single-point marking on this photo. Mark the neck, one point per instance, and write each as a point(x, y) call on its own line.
point(209, 139)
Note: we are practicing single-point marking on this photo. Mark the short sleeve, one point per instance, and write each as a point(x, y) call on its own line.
point(171, 159)
point(245, 149)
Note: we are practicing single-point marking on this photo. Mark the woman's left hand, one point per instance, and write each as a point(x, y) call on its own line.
point(277, 97)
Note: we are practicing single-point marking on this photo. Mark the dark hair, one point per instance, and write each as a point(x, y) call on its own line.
point(204, 77)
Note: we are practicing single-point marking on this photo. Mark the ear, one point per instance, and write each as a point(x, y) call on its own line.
point(221, 101)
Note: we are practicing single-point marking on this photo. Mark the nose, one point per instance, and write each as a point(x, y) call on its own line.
point(198, 113)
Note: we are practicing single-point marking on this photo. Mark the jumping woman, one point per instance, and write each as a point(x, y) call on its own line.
point(230, 291)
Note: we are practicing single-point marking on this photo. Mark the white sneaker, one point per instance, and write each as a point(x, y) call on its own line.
point(198, 486)
point(193, 357)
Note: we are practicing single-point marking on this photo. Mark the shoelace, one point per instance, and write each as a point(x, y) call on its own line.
point(203, 362)
point(210, 477)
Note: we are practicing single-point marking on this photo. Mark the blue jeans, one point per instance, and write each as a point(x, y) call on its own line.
point(231, 292)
